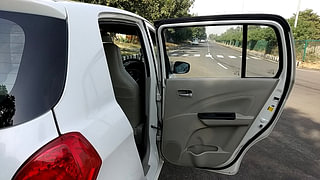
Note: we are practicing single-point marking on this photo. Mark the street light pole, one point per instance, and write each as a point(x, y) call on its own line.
point(297, 14)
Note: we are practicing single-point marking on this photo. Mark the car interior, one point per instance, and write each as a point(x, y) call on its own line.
point(127, 66)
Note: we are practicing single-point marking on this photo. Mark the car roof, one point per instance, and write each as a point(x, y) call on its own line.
point(39, 7)
point(56, 8)
point(105, 8)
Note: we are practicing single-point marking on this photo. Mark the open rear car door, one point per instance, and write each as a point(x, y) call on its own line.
point(225, 93)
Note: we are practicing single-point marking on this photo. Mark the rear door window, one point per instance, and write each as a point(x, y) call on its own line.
point(224, 51)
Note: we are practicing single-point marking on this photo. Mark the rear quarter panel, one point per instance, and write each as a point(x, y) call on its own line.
point(18, 143)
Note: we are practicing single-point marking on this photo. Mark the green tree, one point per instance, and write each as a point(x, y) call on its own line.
point(150, 9)
point(254, 35)
point(179, 35)
point(261, 33)
point(185, 34)
point(308, 26)
point(270, 36)
point(232, 36)
point(213, 37)
point(257, 35)
point(3, 90)
point(199, 33)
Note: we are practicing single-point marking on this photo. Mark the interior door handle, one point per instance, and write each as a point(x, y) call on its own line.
point(185, 93)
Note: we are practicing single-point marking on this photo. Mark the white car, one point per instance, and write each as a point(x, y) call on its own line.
point(76, 106)
point(195, 42)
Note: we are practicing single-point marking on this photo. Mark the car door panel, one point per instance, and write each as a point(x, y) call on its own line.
point(213, 114)
point(191, 137)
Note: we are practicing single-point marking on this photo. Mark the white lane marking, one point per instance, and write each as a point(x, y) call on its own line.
point(196, 55)
point(185, 55)
point(222, 66)
point(174, 54)
point(232, 57)
point(254, 57)
point(209, 55)
point(220, 56)
point(241, 57)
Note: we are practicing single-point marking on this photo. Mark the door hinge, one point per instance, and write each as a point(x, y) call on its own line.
point(158, 136)
point(155, 127)
point(158, 97)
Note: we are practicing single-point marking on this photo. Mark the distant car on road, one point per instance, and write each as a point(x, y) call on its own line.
point(195, 42)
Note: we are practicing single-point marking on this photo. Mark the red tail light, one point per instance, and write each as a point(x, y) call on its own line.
point(68, 157)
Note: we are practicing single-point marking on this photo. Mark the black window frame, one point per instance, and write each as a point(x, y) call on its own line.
point(218, 18)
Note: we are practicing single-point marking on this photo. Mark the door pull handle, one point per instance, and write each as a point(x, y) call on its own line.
point(185, 93)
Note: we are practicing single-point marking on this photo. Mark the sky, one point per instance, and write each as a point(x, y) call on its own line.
point(285, 8)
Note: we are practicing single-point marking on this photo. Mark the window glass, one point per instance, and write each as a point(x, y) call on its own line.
point(33, 59)
point(262, 52)
point(12, 40)
point(128, 38)
point(211, 51)
point(216, 51)
point(128, 43)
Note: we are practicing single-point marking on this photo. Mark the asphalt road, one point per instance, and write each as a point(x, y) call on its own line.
point(292, 151)
point(213, 60)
